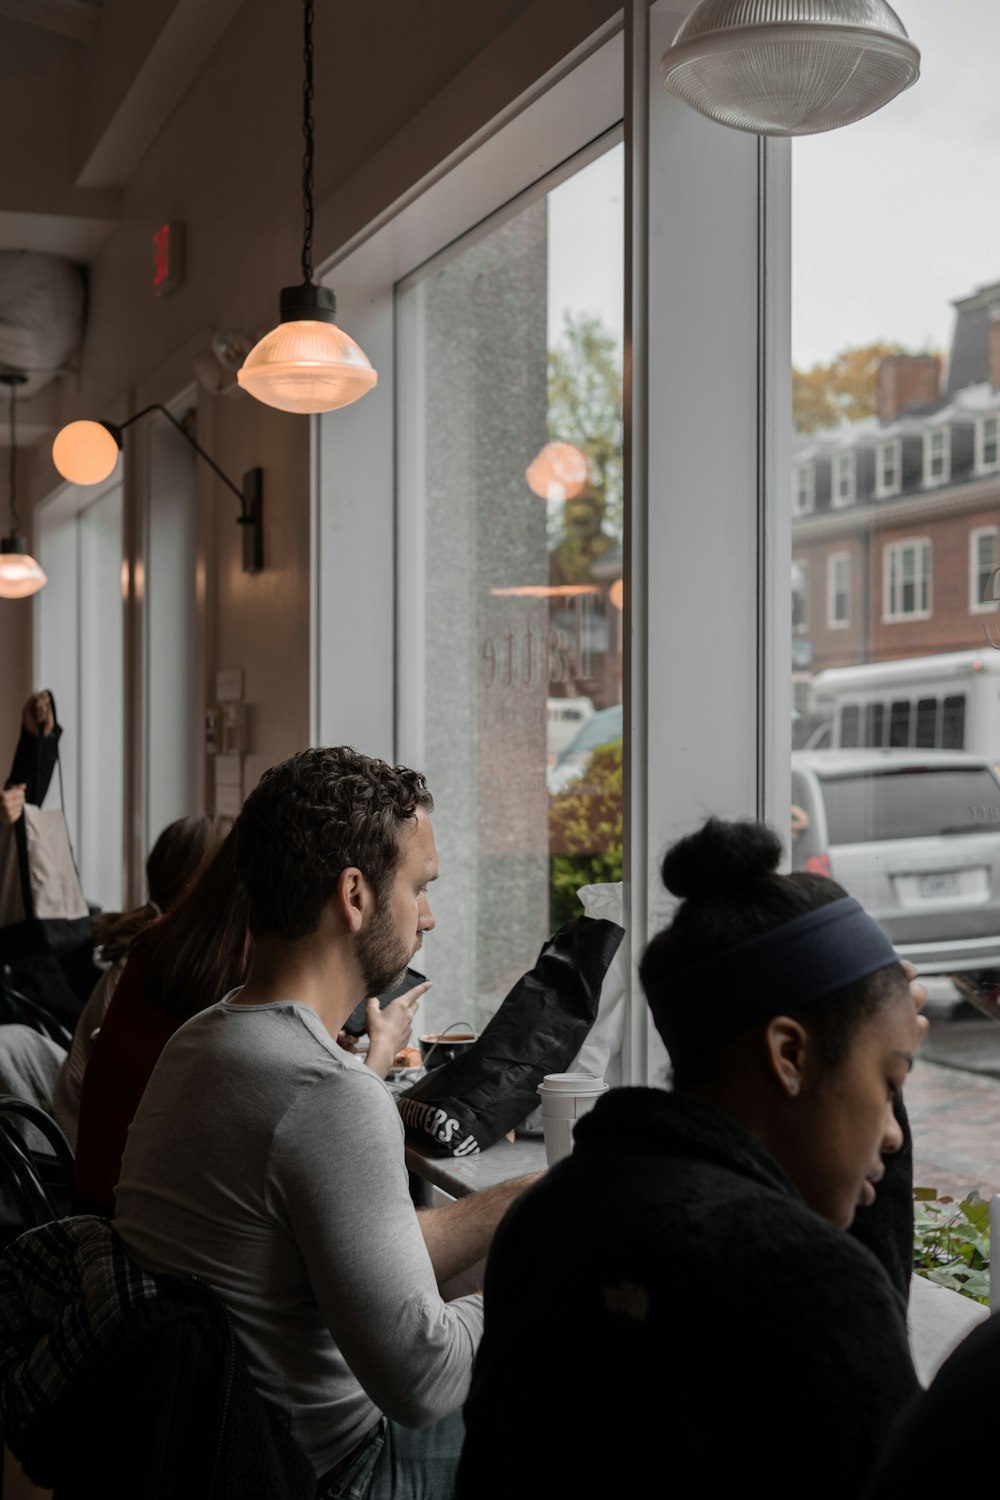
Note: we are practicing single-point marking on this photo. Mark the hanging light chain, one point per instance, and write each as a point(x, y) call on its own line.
point(307, 156)
point(15, 519)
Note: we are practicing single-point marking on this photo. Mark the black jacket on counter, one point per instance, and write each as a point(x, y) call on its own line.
point(665, 1316)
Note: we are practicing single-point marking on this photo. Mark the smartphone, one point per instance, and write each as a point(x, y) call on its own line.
point(355, 1022)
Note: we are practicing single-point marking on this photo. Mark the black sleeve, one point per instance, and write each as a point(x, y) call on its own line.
point(34, 763)
point(887, 1227)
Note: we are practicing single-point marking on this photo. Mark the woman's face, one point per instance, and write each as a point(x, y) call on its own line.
point(844, 1121)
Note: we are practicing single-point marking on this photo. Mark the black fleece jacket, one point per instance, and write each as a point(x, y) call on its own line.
point(665, 1316)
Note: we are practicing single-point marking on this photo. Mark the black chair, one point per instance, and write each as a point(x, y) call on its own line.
point(38, 1184)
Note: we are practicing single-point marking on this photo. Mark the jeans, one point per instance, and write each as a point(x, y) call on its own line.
point(401, 1463)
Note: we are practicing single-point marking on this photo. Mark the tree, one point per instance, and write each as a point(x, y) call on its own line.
point(585, 408)
point(842, 391)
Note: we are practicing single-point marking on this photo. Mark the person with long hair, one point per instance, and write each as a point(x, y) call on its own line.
point(182, 850)
point(677, 1307)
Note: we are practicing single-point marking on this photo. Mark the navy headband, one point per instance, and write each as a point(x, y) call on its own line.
point(785, 969)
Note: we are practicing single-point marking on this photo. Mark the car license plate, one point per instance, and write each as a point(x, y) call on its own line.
point(945, 884)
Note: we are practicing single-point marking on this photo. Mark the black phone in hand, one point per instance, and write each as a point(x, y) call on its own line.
point(355, 1023)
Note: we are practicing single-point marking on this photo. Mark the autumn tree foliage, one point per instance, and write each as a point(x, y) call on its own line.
point(841, 391)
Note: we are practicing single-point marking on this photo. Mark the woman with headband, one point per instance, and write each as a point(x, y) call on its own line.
point(677, 1308)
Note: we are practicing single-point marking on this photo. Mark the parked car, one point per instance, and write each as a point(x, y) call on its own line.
point(565, 718)
point(915, 836)
point(603, 728)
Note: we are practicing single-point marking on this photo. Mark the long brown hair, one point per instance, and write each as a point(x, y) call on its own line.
point(176, 859)
point(202, 948)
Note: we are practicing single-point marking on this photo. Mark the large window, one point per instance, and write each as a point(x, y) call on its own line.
point(907, 580)
point(78, 655)
point(510, 496)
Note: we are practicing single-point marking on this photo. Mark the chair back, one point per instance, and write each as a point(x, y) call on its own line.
point(38, 1183)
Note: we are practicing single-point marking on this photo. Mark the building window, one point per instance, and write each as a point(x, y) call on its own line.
point(843, 471)
point(838, 590)
point(888, 469)
point(988, 444)
point(800, 596)
point(874, 724)
point(805, 488)
point(907, 580)
point(937, 456)
point(983, 561)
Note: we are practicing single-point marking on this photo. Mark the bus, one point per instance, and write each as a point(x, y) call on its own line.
point(946, 702)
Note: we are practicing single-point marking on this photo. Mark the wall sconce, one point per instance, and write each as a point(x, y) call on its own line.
point(20, 575)
point(86, 452)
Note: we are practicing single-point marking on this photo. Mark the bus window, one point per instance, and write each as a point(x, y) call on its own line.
point(899, 724)
point(874, 724)
point(927, 723)
point(953, 723)
point(849, 716)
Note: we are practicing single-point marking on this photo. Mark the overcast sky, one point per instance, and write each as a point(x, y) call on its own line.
point(899, 214)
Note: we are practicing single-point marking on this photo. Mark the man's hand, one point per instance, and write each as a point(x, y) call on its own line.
point(37, 716)
point(11, 804)
point(389, 1029)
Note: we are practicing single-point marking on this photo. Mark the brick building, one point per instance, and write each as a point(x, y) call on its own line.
point(896, 518)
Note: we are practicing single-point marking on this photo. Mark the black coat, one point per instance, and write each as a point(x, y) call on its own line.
point(665, 1316)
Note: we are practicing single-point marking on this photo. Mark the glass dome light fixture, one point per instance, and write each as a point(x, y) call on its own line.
point(20, 575)
point(790, 67)
point(558, 471)
point(307, 363)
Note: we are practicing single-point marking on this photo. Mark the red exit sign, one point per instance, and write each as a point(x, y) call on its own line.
point(168, 257)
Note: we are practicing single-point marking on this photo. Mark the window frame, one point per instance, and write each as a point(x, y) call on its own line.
point(979, 606)
point(942, 431)
point(885, 491)
point(832, 622)
point(848, 457)
point(890, 617)
point(805, 469)
point(982, 465)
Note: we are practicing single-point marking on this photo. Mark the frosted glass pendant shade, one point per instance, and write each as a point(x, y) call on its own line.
point(85, 452)
point(559, 471)
point(20, 575)
point(306, 366)
point(790, 67)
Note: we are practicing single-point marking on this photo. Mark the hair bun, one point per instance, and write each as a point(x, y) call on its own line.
point(720, 858)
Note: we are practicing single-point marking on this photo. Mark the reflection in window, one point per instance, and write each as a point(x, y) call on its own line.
point(953, 723)
point(874, 724)
point(838, 590)
point(849, 717)
point(988, 438)
point(888, 460)
point(511, 452)
point(926, 723)
point(936, 456)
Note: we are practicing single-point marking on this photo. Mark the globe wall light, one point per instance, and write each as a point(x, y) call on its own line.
point(790, 67)
point(559, 471)
point(20, 575)
point(86, 452)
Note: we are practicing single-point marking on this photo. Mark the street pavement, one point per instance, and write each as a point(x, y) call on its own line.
point(955, 1112)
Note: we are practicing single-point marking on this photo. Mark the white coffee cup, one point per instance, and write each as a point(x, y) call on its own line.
point(565, 1098)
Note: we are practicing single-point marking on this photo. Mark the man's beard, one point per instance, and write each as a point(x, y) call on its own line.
point(382, 953)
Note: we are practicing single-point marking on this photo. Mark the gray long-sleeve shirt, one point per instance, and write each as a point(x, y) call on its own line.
point(270, 1162)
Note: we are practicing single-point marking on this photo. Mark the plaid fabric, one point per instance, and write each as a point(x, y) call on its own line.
point(65, 1290)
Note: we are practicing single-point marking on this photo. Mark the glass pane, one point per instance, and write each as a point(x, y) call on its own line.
point(511, 443)
point(896, 364)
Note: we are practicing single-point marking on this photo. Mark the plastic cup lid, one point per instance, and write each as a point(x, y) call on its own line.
point(572, 1083)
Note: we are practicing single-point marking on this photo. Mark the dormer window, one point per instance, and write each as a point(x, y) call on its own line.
point(843, 472)
point(888, 469)
point(805, 488)
point(937, 455)
point(988, 444)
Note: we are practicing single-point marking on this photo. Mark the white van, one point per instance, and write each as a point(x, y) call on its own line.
point(945, 702)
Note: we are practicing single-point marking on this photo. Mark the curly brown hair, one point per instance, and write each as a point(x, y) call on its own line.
point(313, 816)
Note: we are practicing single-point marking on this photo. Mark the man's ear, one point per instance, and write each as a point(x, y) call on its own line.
point(351, 898)
point(786, 1046)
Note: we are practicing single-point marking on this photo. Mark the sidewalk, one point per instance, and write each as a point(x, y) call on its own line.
point(955, 1117)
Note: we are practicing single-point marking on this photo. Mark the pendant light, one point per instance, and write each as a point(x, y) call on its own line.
point(20, 575)
point(559, 471)
point(790, 67)
point(307, 363)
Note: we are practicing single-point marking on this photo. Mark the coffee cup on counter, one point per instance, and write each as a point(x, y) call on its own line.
point(441, 1047)
point(565, 1098)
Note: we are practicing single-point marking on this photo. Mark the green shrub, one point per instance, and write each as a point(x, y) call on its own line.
point(585, 832)
point(951, 1242)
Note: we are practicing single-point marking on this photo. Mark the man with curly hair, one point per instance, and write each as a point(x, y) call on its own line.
point(269, 1161)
